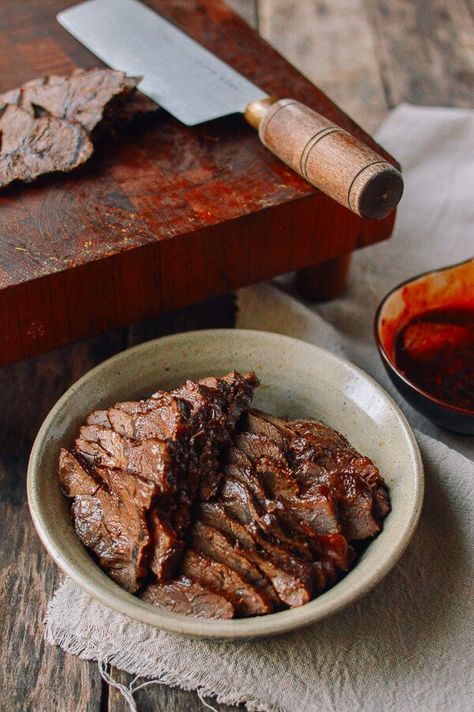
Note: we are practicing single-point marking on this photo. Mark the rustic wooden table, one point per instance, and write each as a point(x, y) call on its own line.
point(368, 55)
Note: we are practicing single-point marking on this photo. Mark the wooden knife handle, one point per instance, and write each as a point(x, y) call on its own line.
point(327, 156)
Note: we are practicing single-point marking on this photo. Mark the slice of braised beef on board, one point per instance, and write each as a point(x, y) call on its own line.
point(49, 124)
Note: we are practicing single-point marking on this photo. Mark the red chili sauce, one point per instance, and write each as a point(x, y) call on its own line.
point(435, 351)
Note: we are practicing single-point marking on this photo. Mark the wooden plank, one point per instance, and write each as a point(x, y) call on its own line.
point(332, 43)
point(36, 676)
point(216, 313)
point(426, 50)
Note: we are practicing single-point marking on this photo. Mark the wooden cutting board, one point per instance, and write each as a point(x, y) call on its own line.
point(163, 215)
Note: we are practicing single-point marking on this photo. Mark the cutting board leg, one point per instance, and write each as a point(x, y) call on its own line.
point(324, 281)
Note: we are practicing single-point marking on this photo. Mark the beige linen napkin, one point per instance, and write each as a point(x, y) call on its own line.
point(408, 644)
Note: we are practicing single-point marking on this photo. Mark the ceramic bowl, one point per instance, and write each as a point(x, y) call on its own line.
point(449, 287)
point(297, 380)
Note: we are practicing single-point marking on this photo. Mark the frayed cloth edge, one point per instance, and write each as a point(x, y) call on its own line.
point(68, 642)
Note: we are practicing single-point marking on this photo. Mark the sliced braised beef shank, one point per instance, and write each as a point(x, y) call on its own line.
point(181, 595)
point(210, 509)
point(109, 511)
point(49, 124)
point(31, 146)
point(137, 467)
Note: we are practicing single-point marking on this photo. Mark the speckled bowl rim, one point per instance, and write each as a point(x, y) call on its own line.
point(116, 598)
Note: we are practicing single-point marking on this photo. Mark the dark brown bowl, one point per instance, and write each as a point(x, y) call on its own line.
point(449, 287)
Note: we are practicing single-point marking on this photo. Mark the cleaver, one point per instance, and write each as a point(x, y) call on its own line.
point(195, 86)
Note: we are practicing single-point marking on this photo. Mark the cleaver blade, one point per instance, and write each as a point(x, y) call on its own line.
point(195, 86)
point(178, 73)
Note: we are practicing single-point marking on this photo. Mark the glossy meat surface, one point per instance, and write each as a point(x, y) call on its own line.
point(188, 598)
point(137, 467)
point(209, 508)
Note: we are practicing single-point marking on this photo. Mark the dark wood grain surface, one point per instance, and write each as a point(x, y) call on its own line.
point(35, 677)
point(162, 215)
